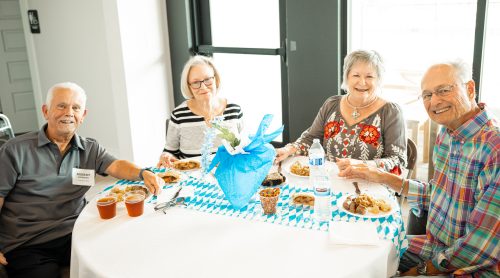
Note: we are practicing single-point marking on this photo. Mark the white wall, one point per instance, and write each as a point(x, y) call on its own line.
point(118, 52)
point(144, 38)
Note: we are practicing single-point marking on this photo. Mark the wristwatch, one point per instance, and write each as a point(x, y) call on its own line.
point(142, 171)
point(443, 263)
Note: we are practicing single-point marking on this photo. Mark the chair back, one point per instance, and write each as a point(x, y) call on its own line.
point(411, 154)
point(166, 130)
point(411, 157)
point(166, 126)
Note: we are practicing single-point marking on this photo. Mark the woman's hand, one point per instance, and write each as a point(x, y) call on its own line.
point(363, 171)
point(283, 153)
point(343, 163)
point(166, 160)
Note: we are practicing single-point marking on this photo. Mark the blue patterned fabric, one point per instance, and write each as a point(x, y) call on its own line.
point(208, 197)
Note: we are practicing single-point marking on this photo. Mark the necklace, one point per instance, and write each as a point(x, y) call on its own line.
point(355, 114)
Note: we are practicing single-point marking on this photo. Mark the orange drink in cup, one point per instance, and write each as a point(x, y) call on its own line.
point(134, 201)
point(269, 199)
point(107, 207)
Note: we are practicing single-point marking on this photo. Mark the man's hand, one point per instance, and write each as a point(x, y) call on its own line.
point(428, 270)
point(153, 182)
point(166, 160)
point(123, 169)
point(3, 260)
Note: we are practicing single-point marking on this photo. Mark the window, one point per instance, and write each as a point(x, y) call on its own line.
point(491, 67)
point(253, 82)
point(412, 35)
point(249, 79)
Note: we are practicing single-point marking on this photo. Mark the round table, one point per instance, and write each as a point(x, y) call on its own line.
point(189, 243)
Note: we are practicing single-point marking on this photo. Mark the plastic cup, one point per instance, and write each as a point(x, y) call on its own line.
point(269, 199)
point(134, 201)
point(107, 207)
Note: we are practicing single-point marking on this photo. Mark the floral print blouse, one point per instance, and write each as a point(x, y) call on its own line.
point(381, 137)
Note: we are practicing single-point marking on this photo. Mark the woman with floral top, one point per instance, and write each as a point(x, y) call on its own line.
point(359, 127)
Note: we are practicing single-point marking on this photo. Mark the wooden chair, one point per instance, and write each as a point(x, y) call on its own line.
point(411, 153)
point(416, 225)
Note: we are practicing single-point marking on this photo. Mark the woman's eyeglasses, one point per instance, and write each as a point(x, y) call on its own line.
point(197, 84)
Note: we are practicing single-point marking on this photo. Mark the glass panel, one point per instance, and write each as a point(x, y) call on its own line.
point(240, 23)
point(411, 35)
point(253, 82)
point(491, 66)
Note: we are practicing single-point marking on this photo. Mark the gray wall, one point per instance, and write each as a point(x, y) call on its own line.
point(313, 68)
point(179, 30)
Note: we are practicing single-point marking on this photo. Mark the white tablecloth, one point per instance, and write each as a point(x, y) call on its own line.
point(189, 243)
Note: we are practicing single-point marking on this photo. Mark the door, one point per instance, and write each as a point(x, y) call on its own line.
point(16, 91)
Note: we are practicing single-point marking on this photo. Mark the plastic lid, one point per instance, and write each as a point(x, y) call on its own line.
point(315, 140)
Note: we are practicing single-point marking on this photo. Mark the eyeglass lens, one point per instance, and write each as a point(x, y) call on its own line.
point(197, 84)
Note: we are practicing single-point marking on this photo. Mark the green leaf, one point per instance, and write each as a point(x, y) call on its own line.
point(227, 135)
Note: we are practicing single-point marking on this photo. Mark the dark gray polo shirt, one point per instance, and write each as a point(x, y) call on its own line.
point(41, 203)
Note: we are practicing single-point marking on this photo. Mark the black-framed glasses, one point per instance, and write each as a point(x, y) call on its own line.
point(441, 91)
point(208, 82)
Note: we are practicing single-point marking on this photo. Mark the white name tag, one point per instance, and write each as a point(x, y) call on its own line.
point(84, 177)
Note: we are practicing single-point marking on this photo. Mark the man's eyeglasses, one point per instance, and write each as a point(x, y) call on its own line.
point(442, 91)
point(197, 84)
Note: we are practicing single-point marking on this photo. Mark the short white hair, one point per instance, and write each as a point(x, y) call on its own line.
point(66, 85)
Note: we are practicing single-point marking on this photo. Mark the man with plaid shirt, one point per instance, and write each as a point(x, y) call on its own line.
point(462, 199)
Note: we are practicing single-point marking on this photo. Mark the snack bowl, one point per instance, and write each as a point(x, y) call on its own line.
point(269, 199)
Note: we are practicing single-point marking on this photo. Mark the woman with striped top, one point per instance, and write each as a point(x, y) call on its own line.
point(200, 83)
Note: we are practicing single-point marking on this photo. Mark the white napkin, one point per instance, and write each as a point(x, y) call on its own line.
point(353, 233)
point(167, 194)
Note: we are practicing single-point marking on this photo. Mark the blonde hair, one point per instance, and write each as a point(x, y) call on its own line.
point(196, 61)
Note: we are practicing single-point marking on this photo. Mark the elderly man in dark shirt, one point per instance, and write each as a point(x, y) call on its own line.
point(44, 176)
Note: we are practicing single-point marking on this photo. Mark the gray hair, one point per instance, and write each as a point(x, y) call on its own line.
point(196, 61)
point(463, 70)
point(66, 85)
point(367, 56)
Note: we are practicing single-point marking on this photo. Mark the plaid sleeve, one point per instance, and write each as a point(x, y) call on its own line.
point(418, 196)
point(479, 248)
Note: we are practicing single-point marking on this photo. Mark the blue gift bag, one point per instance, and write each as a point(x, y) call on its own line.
point(240, 175)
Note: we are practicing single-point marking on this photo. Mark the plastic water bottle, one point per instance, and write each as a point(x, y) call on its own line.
point(318, 177)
